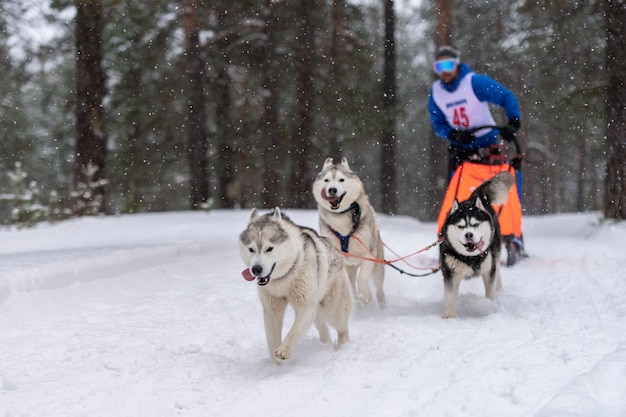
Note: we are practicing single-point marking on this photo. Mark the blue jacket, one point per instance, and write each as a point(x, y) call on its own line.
point(486, 89)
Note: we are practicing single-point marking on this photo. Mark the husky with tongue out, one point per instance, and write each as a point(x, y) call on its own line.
point(294, 266)
point(347, 218)
point(471, 243)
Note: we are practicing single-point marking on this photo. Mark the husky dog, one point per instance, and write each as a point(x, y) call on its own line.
point(348, 219)
point(294, 265)
point(472, 242)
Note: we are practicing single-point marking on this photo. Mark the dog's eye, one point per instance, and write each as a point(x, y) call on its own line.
point(341, 180)
point(474, 225)
point(251, 250)
point(271, 248)
point(326, 180)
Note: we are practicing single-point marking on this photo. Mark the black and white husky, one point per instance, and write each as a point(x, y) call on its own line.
point(472, 241)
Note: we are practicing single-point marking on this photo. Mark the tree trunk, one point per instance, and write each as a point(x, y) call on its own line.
point(90, 151)
point(229, 188)
point(336, 63)
point(230, 192)
point(388, 137)
point(581, 195)
point(305, 62)
point(271, 140)
point(438, 158)
point(196, 122)
point(443, 26)
point(615, 195)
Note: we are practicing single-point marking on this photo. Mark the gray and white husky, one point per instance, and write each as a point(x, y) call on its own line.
point(295, 266)
point(348, 219)
point(472, 241)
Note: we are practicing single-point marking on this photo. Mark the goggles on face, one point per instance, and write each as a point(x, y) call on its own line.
point(445, 65)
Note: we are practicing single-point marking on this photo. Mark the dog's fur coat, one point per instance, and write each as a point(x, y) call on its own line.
point(348, 219)
point(472, 242)
point(295, 266)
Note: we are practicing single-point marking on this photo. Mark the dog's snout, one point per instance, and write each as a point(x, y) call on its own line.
point(469, 236)
point(332, 191)
point(256, 270)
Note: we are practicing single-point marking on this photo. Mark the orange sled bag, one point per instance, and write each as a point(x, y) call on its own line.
point(467, 177)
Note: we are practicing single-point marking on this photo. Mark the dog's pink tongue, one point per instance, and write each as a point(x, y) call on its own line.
point(480, 245)
point(327, 197)
point(247, 275)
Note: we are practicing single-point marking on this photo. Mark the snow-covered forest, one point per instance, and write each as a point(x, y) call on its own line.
point(176, 117)
point(550, 54)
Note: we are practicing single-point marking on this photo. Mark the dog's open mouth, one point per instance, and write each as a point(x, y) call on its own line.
point(333, 200)
point(266, 279)
point(474, 246)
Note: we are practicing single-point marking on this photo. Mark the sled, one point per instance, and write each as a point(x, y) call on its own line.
point(469, 175)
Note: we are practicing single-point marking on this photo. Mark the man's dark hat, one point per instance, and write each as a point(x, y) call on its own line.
point(449, 51)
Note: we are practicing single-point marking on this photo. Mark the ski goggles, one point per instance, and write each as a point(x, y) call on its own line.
point(445, 65)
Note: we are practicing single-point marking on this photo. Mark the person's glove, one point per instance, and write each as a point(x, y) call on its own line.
point(508, 132)
point(461, 136)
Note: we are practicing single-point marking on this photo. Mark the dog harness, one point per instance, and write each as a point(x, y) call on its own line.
point(356, 219)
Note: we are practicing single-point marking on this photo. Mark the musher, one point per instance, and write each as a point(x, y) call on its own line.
point(458, 102)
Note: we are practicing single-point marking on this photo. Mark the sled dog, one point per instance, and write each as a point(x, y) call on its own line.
point(348, 219)
point(472, 242)
point(295, 266)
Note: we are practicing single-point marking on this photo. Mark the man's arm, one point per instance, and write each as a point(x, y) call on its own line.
point(438, 119)
point(488, 89)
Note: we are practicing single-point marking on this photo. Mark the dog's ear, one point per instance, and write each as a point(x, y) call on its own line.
point(479, 204)
point(254, 214)
point(455, 207)
point(277, 214)
point(344, 162)
point(328, 162)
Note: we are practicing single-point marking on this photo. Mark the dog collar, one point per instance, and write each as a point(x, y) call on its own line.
point(356, 212)
point(356, 219)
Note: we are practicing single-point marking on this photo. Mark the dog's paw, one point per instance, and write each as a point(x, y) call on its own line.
point(322, 329)
point(342, 338)
point(276, 362)
point(282, 353)
point(449, 316)
point(382, 302)
point(365, 297)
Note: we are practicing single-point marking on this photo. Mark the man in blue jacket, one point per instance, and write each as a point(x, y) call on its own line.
point(458, 104)
point(459, 101)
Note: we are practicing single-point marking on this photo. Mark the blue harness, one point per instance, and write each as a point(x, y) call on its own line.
point(356, 218)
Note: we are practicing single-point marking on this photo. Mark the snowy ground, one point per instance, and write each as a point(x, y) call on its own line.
point(148, 315)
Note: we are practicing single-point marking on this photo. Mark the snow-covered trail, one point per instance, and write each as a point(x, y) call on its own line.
point(148, 315)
